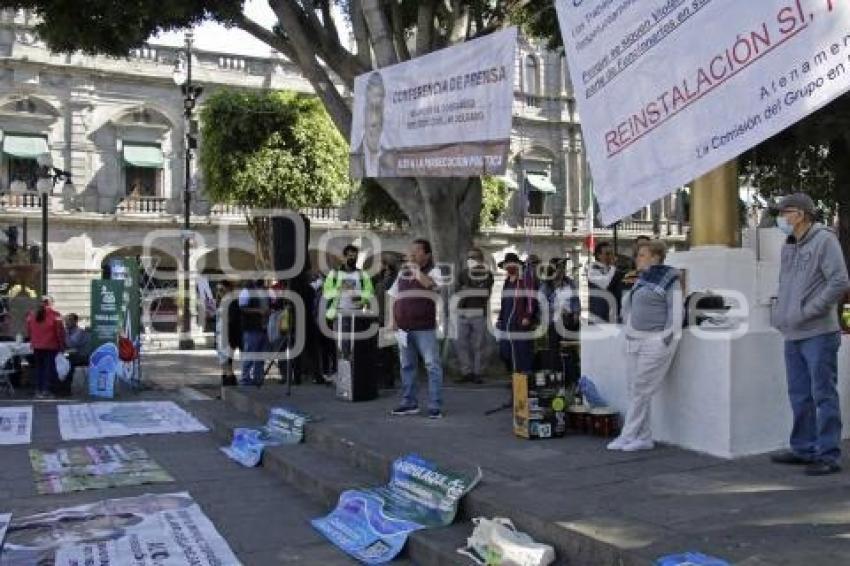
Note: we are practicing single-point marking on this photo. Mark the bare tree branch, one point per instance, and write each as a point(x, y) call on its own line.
point(266, 36)
point(379, 31)
point(361, 33)
point(328, 20)
point(305, 56)
point(398, 30)
point(425, 27)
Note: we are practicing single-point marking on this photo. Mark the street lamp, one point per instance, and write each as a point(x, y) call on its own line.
point(191, 93)
point(47, 178)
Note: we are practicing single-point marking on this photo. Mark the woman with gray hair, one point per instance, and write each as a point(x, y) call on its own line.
point(653, 313)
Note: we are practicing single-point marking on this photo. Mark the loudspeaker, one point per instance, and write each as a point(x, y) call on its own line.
point(286, 231)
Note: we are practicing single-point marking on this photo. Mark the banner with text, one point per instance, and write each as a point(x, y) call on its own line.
point(78, 468)
point(149, 530)
point(445, 114)
point(671, 89)
point(373, 524)
point(105, 419)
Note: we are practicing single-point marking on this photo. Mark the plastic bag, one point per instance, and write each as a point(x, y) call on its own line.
point(496, 542)
point(63, 366)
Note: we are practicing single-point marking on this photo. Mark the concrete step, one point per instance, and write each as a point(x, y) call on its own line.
point(322, 476)
point(571, 547)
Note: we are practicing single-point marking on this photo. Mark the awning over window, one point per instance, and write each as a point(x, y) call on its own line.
point(509, 182)
point(147, 156)
point(24, 147)
point(540, 183)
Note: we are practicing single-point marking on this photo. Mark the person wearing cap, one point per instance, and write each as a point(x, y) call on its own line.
point(518, 316)
point(812, 281)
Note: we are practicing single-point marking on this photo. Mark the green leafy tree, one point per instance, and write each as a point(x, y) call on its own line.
point(812, 156)
point(271, 150)
point(385, 32)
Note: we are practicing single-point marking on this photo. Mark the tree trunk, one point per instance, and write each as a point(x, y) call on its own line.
point(445, 212)
point(260, 230)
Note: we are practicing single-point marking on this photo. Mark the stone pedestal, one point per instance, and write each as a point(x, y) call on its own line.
point(726, 392)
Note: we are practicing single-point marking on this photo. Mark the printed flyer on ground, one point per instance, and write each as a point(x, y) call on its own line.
point(372, 524)
point(444, 114)
point(101, 420)
point(80, 468)
point(285, 426)
point(149, 530)
point(15, 425)
point(671, 89)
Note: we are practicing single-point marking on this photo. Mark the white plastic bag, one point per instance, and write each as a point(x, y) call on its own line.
point(496, 542)
point(63, 366)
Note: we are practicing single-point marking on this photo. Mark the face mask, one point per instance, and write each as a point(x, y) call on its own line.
point(471, 263)
point(351, 263)
point(784, 226)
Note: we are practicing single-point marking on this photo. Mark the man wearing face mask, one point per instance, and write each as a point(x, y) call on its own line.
point(346, 290)
point(812, 281)
point(518, 316)
point(474, 286)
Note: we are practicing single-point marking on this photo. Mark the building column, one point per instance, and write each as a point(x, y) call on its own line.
point(714, 208)
point(574, 170)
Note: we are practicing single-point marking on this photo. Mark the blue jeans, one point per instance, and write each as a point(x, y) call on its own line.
point(423, 342)
point(812, 368)
point(253, 343)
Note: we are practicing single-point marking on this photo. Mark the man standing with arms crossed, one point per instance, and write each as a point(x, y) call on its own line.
point(812, 280)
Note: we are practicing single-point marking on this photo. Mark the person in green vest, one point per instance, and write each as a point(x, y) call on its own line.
point(346, 290)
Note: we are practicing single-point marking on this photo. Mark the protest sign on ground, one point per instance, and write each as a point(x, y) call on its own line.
point(15, 425)
point(101, 420)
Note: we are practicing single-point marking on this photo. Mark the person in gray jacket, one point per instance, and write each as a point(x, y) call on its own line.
point(812, 280)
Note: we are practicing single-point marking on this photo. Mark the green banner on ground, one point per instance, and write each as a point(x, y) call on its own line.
point(80, 468)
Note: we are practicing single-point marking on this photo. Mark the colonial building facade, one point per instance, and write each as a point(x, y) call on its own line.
point(117, 126)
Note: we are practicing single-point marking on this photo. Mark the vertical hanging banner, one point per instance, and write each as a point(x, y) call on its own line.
point(107, 311)
point(670, 89)
point(445, 114)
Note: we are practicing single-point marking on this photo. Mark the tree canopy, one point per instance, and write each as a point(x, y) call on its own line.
point(384, 32)
point(271, 150)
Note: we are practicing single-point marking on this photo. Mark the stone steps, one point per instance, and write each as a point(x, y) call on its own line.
point(571, 547)
point(322, 476)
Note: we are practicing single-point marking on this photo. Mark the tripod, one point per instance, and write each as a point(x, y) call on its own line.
point(284, 348)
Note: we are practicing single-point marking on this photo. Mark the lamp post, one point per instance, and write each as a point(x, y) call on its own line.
point(191, 93)
point(47, 178)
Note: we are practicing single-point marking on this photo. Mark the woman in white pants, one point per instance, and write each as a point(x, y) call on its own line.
point(653, 322)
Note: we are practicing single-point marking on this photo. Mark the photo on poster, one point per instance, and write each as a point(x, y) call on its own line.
point(81, 468)
point(148, 530)
point(102, 420)
point(16, 425)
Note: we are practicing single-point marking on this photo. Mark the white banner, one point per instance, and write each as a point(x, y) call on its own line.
point(15, 425)
point(670, 89)
point(101, 420)
point(150, 530)
point(445, 114)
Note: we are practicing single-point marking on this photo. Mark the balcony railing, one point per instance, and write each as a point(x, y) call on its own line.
point(20, 201)
point(143, 205)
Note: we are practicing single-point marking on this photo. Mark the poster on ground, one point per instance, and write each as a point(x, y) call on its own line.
point(80, 468)
point(671, 89)
point(149, 530)
point(5, 519)
point(16, 425)
point(445, 114)
point(101, 420)
point(373, 524)
point(285, 426)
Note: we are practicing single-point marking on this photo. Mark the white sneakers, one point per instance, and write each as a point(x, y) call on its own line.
point(630, 444)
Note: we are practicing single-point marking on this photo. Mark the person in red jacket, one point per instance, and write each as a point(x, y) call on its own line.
point(46, 332)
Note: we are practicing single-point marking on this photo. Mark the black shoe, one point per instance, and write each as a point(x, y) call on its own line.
point(822, 468)
point(788, 457)
point(404, 411)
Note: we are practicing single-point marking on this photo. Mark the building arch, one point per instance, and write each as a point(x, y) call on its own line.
point(531, 75)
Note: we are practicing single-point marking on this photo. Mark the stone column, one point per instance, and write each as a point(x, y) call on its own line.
point(714, 208)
